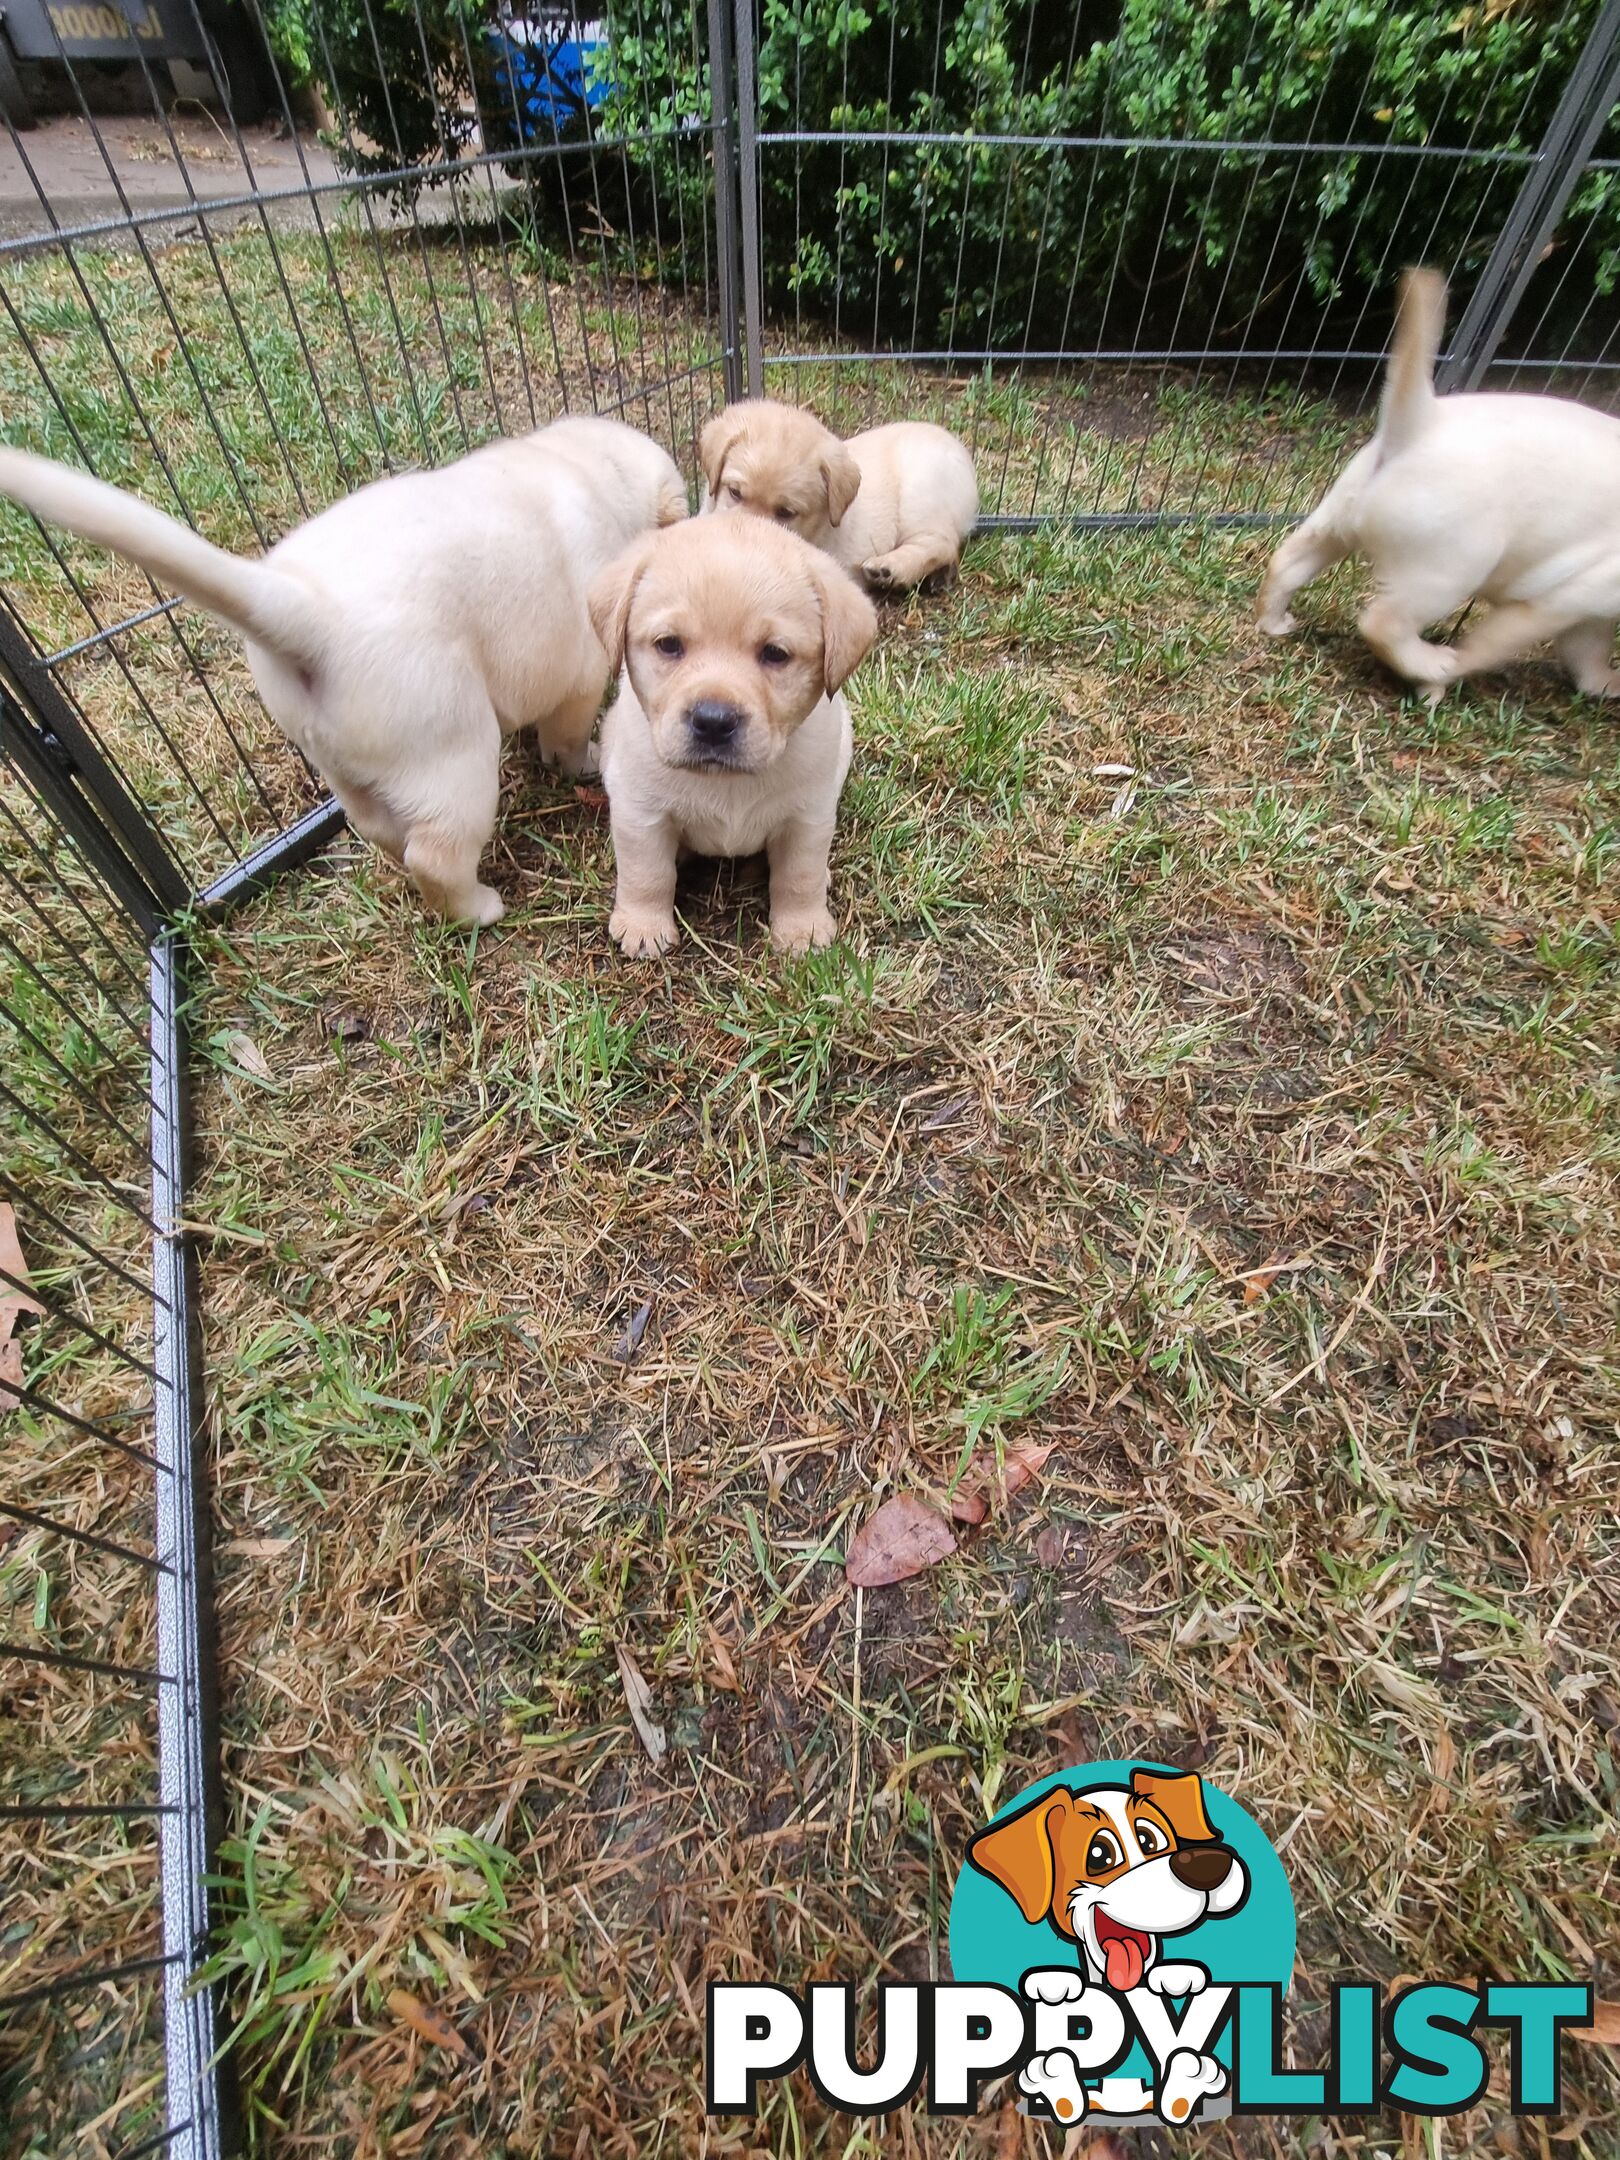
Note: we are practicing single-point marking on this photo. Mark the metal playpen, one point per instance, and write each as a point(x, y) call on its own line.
point(764, 215)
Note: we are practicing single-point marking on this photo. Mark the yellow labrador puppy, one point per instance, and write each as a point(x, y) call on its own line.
point(1513, 499)
point(894, 505)
point(401, 634)
point(728, 734)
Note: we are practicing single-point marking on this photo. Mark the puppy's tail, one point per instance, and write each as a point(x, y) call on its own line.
point(260, 602)
point(1409, 398)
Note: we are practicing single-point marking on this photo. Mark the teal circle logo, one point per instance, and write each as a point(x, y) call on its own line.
point(1124, 1887)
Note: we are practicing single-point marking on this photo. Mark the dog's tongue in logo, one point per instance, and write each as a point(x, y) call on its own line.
point(1125, 1953)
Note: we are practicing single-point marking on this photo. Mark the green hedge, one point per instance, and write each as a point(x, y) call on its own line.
point(973, 243)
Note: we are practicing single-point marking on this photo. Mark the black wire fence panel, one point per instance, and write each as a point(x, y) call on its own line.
point(80, 1387)
point(1184, 225)
point(494, 255)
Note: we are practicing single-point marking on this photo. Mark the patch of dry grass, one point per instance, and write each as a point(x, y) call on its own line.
point(1240, 1126)
point(1243, 1130)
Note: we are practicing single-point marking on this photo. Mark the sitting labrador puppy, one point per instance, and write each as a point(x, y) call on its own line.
point(400, 635)
point(1509, 498)
point(894, 505)
point(728, 734)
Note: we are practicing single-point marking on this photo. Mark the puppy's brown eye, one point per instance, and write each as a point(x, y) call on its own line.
point(670, 647)
point(774, 656)
point(782, 514)
point(1151, 1838)
point(734, 492)
point(1102, 1853)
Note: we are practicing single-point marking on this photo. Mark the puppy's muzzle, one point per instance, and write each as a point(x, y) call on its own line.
point(1201, 1867)
point(714, 730)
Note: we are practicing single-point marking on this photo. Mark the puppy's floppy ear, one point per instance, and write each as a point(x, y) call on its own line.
point(849, 623)
point(1179, 1797)
point(612, 590)
point(1017, 1853)
point(717, 442)
point(843, 478)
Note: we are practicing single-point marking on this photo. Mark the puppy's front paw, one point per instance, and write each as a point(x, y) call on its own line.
point(1054, 1984)
point(1278, 623)
point(642, 937)
point(799, 933)
point(1188, 2079)
point(1176, 1979)
point(877, 577)
point(486, 906)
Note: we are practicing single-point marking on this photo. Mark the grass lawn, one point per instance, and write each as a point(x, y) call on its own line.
point(1215, 1085)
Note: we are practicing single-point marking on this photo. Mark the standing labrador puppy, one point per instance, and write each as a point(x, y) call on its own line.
point(1491, 496)
point(728, 734)
point(400, 635)
point(894, 505)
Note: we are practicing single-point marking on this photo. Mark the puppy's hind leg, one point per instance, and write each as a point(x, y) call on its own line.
point(565, 734)
point(1587, 651)
point(453, 829)
point(1304, 555)
point(923, 556)
point(1515, 627)
point(1396, 636)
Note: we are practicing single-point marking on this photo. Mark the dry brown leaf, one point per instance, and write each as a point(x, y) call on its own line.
point(246, 1053)
point(901, 1539)
point(591, 798)
point(1009, 2132)
point(11, 1374)
point(1050, 1546)
point(639, 1696)
point(1604, 2029)
point(13, 1302)
point(1256, 1285)
point(428, 2023)
point(985, 1482)
point(721, 1669)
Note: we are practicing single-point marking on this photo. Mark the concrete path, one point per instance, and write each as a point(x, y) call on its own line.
point(73, 173)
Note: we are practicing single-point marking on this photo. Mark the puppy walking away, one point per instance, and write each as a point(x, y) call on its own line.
point(400, 635)
point(1508, 498)
point(728, 734)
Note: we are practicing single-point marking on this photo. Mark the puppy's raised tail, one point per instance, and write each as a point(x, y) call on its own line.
point(1409, 396)
point(261, 602)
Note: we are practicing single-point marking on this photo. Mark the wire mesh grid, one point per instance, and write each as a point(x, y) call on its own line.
point(1139, 254)
point(1144, 255)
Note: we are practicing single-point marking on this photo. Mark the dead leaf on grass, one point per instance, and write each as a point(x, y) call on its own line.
point(721, 1669)
point(1050, 1546)
point(639, 1696)
point(245, 1052)
point(900, 1540)
point(627, 1344)
point(591, 798)
point(1604, 2029)
point(14, 1302)
point(426, 2022)
point(984, 1481)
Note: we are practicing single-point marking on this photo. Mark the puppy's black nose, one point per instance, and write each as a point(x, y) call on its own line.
point(1201, 1867)
point(713, 725)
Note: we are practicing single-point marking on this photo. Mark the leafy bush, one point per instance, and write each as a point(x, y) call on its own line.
point(969, 244)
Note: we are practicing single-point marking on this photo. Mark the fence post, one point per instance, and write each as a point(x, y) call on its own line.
point(748, 149)
point(42, 734)
point(723, 145)
point(1588, 99)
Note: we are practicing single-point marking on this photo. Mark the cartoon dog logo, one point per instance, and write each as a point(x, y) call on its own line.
point(1115, 1870)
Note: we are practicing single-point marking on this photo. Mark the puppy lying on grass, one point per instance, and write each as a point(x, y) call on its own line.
point(1508, 498)
point(894, 505)
point(728, 734)
point(400, 635)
